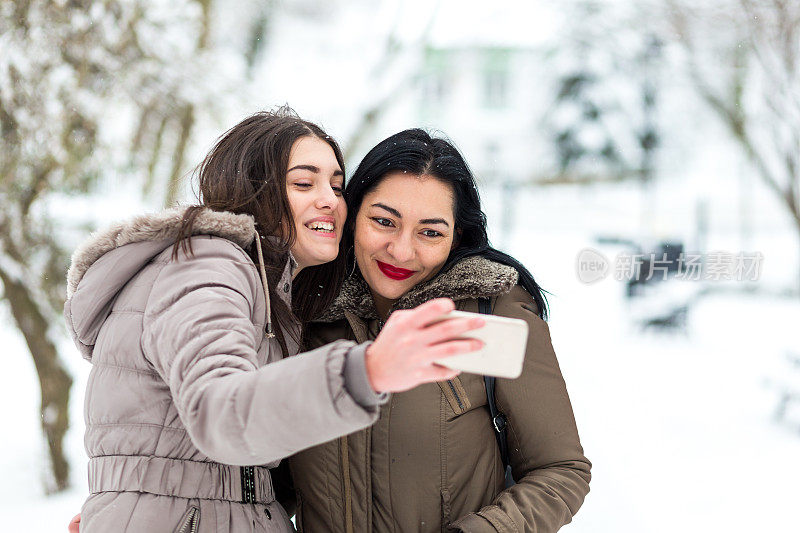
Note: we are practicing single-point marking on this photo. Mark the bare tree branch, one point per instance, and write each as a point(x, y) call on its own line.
point(764, 37)
point(370, 116)
point(58, 88)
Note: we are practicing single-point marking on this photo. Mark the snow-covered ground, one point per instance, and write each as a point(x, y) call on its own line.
point(679, 426)
point(23, 453)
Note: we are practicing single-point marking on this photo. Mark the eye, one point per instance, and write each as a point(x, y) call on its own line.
point(383, 221)
point(337, 189)
point(302, 184)
point(432, 233)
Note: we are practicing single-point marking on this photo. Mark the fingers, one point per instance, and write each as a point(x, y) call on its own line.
point(451, 348)
point(449, 329)
point(74, 524)
point(404, 353)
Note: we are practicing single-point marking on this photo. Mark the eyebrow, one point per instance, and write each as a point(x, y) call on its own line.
point(313, 169)
point(434, 221)
point(396, 213)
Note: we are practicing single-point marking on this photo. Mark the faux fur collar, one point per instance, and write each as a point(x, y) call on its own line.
point(157, 227)
point(473, 277)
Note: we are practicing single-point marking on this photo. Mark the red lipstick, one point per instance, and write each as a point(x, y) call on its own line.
point(393, 272)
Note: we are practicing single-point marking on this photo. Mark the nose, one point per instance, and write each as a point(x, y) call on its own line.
point(327, 198)
point(401, 247)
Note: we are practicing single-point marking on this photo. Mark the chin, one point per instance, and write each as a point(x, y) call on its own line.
point(391, 290)
point(321, 257)
point(323, 260)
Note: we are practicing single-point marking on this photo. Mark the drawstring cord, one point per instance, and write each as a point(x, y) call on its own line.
point(263, 272)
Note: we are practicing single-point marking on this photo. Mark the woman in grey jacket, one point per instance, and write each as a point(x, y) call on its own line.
point(187, 317)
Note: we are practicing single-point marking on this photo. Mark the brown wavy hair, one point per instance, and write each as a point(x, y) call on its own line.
point(245, 173)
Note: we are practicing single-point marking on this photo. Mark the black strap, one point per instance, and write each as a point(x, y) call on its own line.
point(498, 419)
point(248, 474)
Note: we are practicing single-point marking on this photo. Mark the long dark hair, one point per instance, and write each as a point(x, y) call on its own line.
point(245, 173)
point(414, 151)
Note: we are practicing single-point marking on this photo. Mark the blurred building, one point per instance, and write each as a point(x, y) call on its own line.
point(490, 101)
point(519, 116)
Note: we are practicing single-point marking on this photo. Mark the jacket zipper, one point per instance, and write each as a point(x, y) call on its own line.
point(458, 399)
point(347, 496)
point(191, 523)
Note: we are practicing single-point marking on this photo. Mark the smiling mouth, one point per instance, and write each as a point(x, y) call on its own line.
point(325, 229)
point(393, 272)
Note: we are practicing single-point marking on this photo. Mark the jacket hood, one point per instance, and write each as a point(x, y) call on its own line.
point(105, 262)
point(473, 277)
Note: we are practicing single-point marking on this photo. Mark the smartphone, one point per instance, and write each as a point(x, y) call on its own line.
point(503, 353)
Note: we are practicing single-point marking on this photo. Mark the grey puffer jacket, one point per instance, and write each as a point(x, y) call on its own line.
point(186, 391)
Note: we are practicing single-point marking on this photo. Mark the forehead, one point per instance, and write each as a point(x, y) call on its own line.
point(311, 148)
point(413, 195)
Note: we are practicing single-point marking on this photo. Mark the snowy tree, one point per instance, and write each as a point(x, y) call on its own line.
point(395, 71)
point(602, 121)
point(93, 93)
point(743, 57)
point(89, 92)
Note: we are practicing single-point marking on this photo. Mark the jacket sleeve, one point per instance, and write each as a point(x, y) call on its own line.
point(546, 456)
point(200, 335)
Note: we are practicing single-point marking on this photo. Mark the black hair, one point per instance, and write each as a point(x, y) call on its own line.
point(414, 151)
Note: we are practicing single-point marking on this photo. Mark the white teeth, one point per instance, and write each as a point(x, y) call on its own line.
point(320, 226)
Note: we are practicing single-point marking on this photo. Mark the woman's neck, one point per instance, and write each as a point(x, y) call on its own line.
point(382, 305)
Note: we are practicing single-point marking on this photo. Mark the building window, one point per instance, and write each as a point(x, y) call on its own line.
point(434, 88)
point(495, 89)
point(435, 79)
point(496, 78)
point(492, 161)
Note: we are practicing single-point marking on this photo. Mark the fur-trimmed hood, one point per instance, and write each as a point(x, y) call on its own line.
point(109, 259)
point(159, 227)
point(473, 277)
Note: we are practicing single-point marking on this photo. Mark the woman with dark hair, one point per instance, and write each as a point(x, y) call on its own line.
point(415, 231)
point(187, 317)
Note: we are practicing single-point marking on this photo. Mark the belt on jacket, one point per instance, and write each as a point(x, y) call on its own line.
point(180, 478)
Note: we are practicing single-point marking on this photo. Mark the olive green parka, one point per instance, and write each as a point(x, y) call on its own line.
point(431, 461)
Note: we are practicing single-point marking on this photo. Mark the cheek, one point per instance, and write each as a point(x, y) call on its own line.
point(295, 207)
point(358, 239)
point(366, 241)
point(437, 256)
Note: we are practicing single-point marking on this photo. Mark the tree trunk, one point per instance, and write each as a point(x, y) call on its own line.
point(54, 380)
point(178, 157)
point(797, 227)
